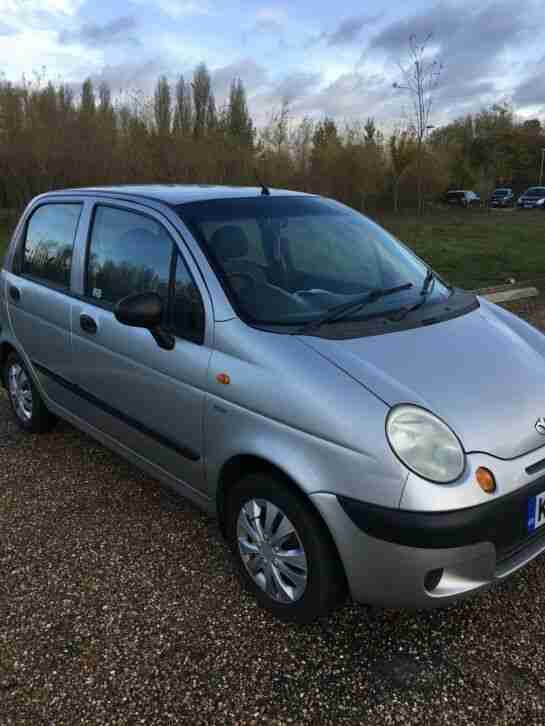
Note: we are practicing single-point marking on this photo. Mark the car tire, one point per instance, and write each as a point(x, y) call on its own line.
point(303, 578)
point(26, 403)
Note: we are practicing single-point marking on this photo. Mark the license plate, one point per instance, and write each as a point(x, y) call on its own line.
point(528, 206)
point(536, 512)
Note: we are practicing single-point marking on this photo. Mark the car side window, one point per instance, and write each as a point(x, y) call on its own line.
point(131, 253)
point(187, 311)
point(49, 242)
point(128, 253)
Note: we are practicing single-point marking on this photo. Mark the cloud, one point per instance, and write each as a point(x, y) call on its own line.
point(178, 9)
point(349, 29)
point(115, 32)
point(296, 85)
point(531, 91)
point(6, 29)
point(350, 96)
point(471, 41)
point(124, 77)
point(347, 32)
point(252, 74)
point(24, 14)
point(274, 15)
point(292, 88)
point(267, 21)
point(54, 7)
point(267, 26)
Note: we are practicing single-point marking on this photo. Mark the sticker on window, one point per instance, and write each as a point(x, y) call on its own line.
point(97, 292)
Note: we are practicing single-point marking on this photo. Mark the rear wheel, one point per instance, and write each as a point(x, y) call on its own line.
point(26, 403)
point(284, 553)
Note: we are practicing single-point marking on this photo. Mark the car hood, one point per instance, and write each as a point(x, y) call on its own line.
point(483, 373)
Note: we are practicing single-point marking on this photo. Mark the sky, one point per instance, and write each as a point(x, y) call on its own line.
point(324, 58)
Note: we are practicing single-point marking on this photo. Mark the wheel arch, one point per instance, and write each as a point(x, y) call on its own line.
point(241, 465)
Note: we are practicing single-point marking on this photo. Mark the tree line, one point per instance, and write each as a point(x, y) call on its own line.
point(55, 136)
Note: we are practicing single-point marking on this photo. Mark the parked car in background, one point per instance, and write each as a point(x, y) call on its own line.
point(293, 369)
point(463, 198)
point(503, 197)
point(532, 198)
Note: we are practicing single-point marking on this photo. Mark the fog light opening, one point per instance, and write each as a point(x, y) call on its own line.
point(432, 579)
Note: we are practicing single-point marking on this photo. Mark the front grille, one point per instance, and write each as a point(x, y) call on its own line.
point(534, 468)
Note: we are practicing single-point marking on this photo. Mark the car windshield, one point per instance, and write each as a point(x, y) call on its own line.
point(290, 260)
point(501, 193)
point(536, 192)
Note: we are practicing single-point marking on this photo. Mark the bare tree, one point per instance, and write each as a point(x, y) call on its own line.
point(402, 149)
point(420, 76)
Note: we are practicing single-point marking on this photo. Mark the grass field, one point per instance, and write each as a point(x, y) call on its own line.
point(470, 249)
point(473, 248)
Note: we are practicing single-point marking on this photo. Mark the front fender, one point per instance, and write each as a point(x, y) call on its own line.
point(312, 463)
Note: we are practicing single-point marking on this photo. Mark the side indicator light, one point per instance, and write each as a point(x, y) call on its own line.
point(485, 479)
point(223, 378)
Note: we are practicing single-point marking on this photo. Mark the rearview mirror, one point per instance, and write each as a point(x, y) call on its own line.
point(145, 310)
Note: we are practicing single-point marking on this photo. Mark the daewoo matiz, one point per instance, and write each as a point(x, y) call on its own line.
point(354, 422)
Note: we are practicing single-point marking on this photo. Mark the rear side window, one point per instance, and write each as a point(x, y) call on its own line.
point(128, 253)
point(49, 242)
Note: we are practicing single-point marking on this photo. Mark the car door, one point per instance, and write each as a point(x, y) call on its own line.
point(148, 398)
point(39, 291)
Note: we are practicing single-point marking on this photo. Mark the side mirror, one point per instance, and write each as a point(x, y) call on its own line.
point(145, 310)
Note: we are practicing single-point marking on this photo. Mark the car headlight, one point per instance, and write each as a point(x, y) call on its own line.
point(425, 444)
point(540, 202)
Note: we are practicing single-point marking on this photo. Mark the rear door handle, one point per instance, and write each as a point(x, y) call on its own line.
point(15, 293)
point(88, 324)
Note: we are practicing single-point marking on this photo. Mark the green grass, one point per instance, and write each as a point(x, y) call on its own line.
point(474, 249)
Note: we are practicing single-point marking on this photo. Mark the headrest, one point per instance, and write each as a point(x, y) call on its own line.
point(229, 242)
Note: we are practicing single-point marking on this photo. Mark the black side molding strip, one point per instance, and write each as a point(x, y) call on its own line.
point(502, 521)
point(184, 451)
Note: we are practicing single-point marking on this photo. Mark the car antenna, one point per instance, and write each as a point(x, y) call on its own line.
point(265, 191)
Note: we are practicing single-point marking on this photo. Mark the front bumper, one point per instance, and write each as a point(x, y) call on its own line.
point(400, 559)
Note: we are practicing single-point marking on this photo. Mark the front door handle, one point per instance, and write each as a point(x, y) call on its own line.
point(15, 293)
point(88, 324)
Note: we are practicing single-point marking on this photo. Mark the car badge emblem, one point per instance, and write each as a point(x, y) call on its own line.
point(540, 425)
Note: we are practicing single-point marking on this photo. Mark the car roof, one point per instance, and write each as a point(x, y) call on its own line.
point(175, 194)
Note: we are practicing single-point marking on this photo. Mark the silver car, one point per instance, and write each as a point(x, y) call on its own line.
point(356, 424)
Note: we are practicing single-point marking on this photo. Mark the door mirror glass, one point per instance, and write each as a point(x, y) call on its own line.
point(145, 310)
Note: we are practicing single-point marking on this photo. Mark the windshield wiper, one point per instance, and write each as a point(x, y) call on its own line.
point(427, 285)
point(341, 311)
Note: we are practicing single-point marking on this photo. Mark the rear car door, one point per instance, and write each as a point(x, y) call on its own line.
point(148, 398)
point(39, 290)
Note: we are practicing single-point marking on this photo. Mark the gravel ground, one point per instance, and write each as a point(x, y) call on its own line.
point(119, 605)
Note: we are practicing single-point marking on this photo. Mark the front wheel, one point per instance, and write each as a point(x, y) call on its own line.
point(26, 403)
point(284, 553)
